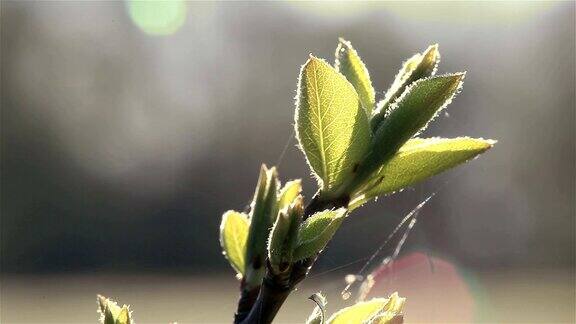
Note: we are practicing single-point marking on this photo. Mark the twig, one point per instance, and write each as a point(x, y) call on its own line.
point(276, 288)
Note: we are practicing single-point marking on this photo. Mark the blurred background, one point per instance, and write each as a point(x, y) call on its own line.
point(129, 128)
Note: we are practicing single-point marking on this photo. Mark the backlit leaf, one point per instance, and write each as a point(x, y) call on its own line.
point(408, 115)
point(374, 311)
point(109, 317)
point(391, 312)
point(349, 63)
point(289, 192)
point(420, 159)
point(278, 236)
point(359, 313)
point(331, 125)
point(233, 236)
point(421, 65)
point(102, 302)
point(284, 235)
point(262, 216)
point(124, 316)
point(316, 231)
point(111, 313)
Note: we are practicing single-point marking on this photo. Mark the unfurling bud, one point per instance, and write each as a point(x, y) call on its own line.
point(111, 313)
point(284, 236)
point(419, 66)
point(263, 215)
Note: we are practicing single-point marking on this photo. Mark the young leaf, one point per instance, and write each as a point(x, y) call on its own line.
point(262, 216)
point(374, 311)
point(348, 63)
point(319, 313)
point(102, 303)
point(111, 313)
point(395, 304)
point(359, 313)
point(284, 235)
point(316, 232)
point(108, 310)
point(391, 312)
point(233, 236)
point(409, 115)
point(124, 316)
point(422, 158)
point(276, 244)
point(331, 125)
point(387, 318)
point(109, 316)
point(288, 193)
point(417, 67)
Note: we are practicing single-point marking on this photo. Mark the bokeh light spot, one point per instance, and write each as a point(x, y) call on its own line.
point(158, 17)
point(436, 290)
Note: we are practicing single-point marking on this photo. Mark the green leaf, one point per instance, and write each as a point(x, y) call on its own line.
point(331, 126)
point(319, 313)
point(276, 245)
point(109, 317)
point(284, 236)
point(263, 214)
point(421, 65)
point(108, 310)
point(349, 63)
point(359, 313)
point(102, 302)
point(410, 114)
point(316, 232)
point(233, 236)
point(111, 313)
point(387, 318)
point(391, 312)
point(374, 311)
point(288, 193)
point(124, 316)
point(422, 158)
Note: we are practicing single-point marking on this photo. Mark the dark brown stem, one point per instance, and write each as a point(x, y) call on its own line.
point(273, 292)
point(246, 301)
point(276, 288)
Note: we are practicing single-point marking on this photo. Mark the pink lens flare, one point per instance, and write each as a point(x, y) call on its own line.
point(436, 291)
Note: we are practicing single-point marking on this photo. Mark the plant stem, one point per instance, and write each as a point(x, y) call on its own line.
point(246, 301)
point(276, 287)
point(273, 292)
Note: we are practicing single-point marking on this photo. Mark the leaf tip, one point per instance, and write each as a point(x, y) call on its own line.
point(263, 167)
point(101, 303)
point(488, 143)
point(344, 43)
point(432, 54)
point(273, 172)
point(459, 75)
point(456, 80)
point(310, 58)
